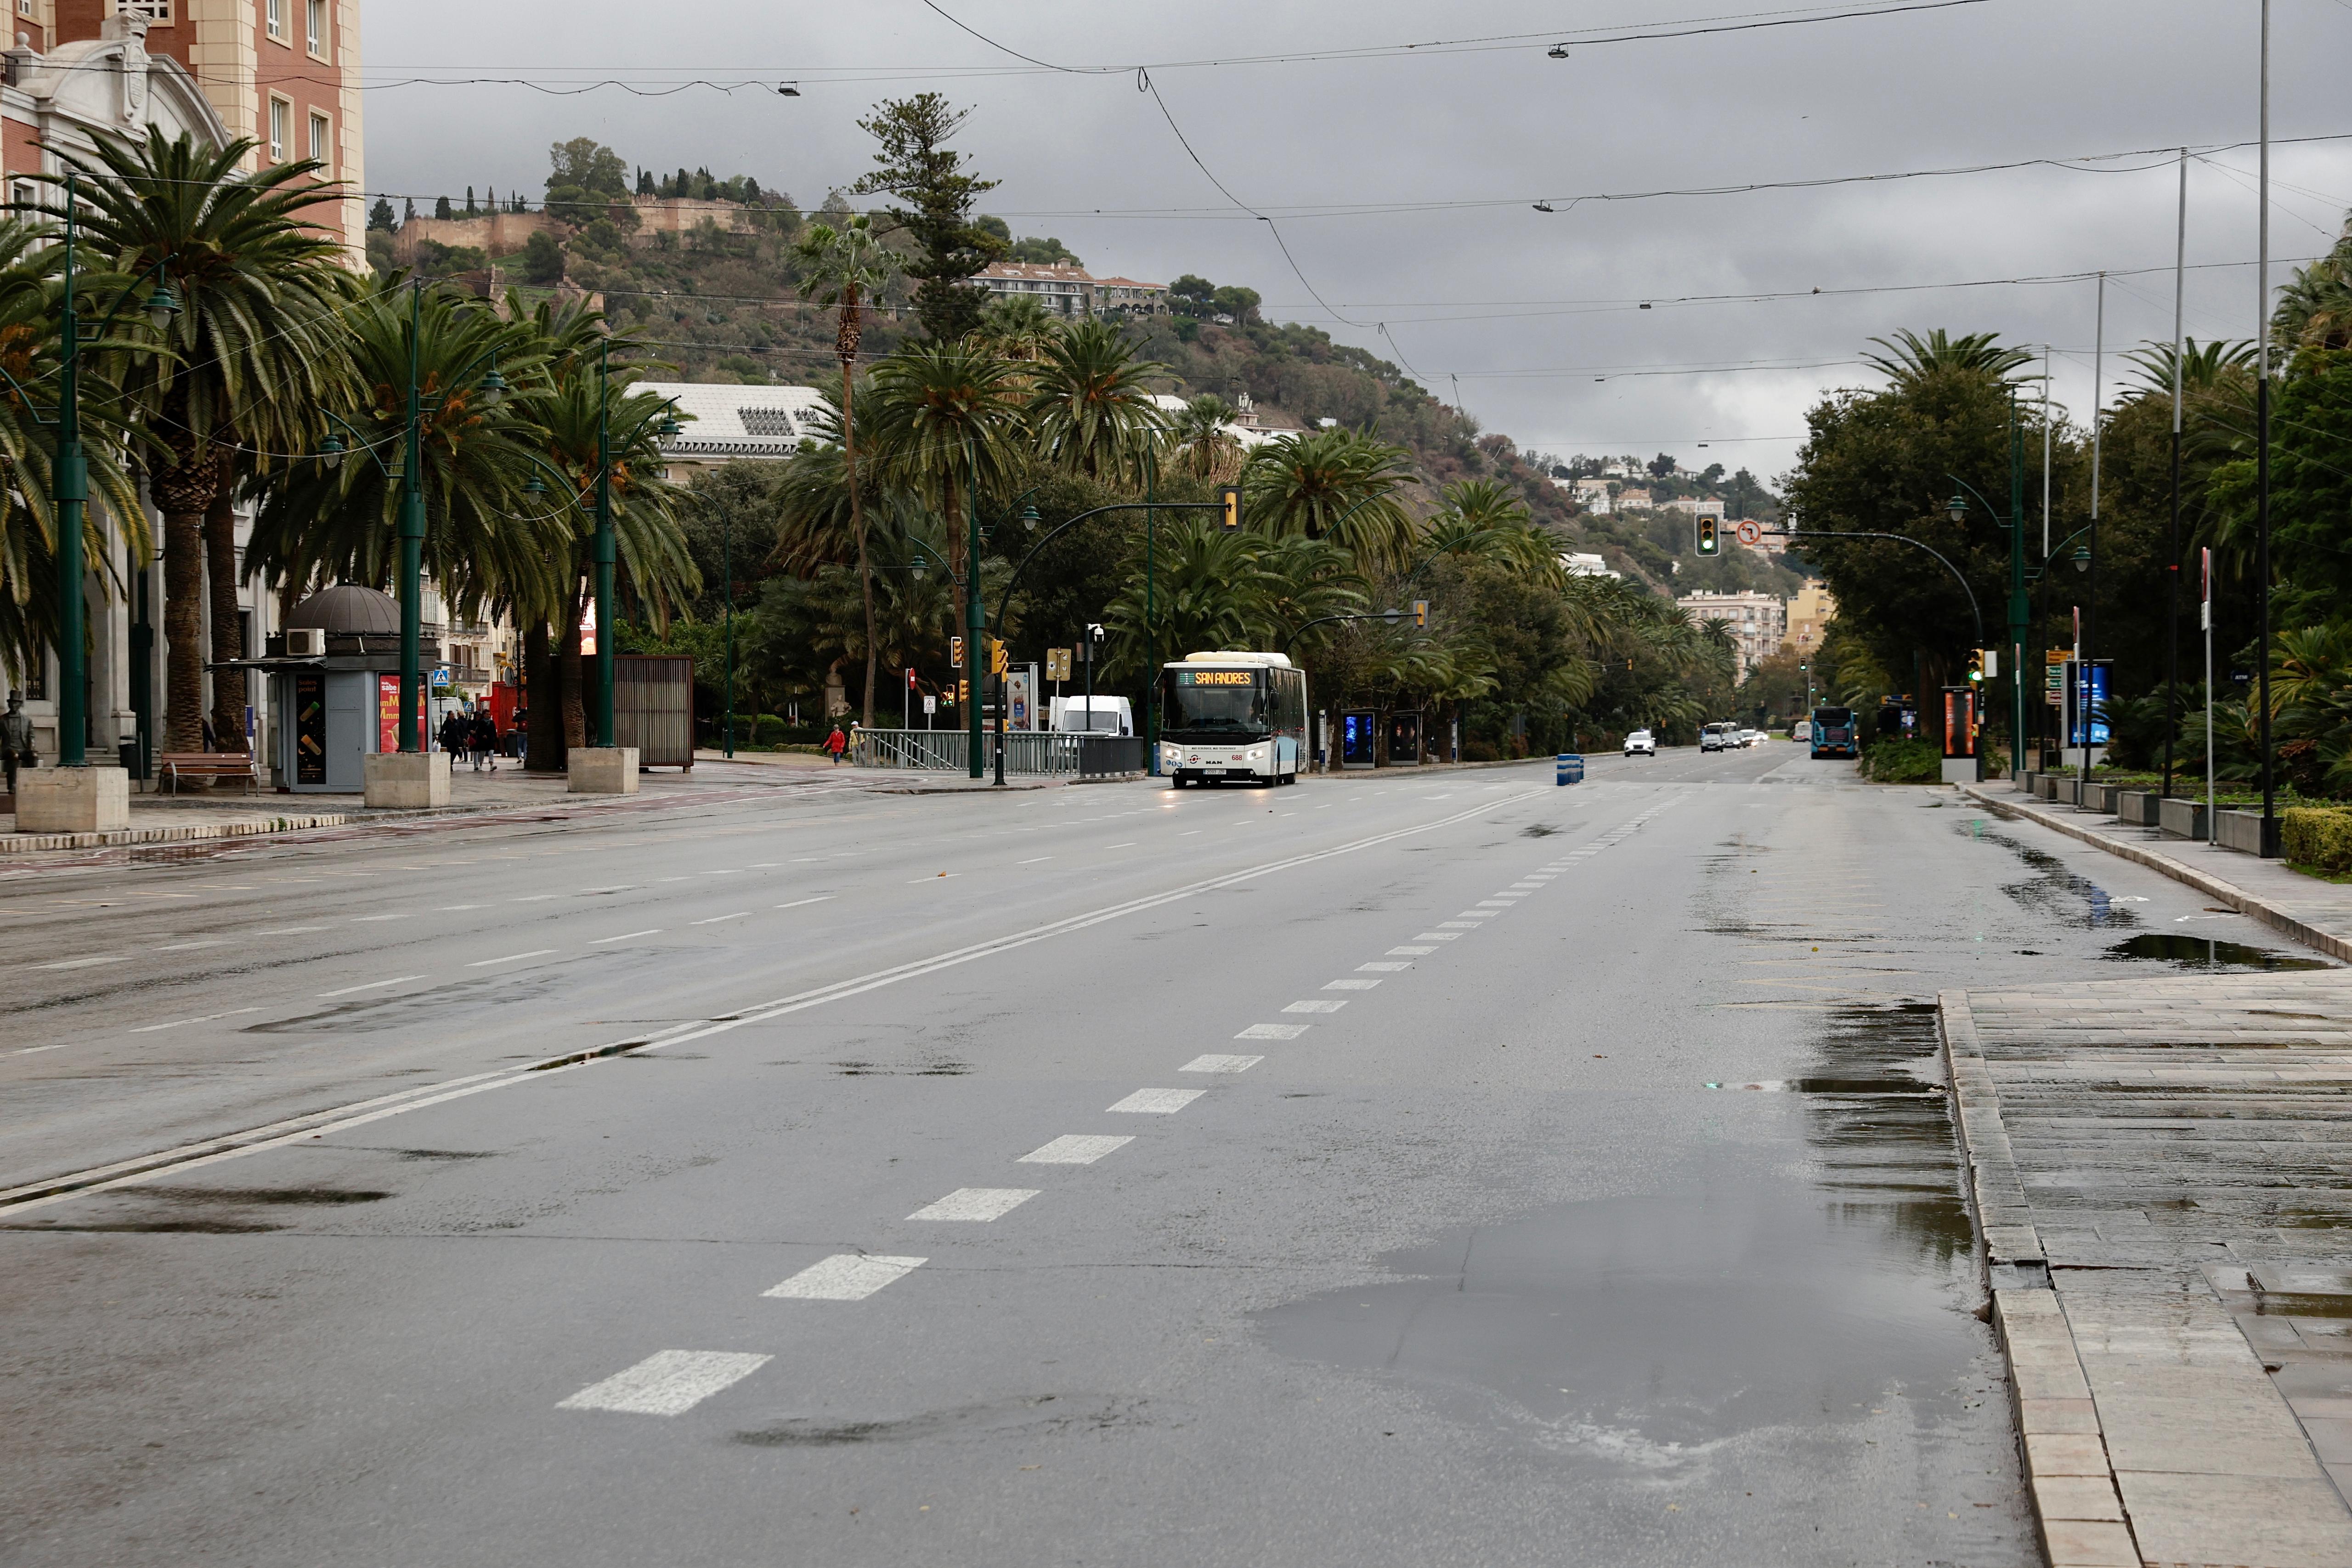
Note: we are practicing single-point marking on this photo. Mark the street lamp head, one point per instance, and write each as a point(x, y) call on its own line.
point(1957, 509)
point(2082, 558)
point(1029, 516)
point(534, 486)
point(920, 567)
point(331, 450)
point(493, 388)
point(161, 306)
point(668, 428)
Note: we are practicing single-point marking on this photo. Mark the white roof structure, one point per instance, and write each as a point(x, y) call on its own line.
point(724, 421)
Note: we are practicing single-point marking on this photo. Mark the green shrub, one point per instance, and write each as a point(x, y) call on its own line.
point(2317, 836)
point(768, 729)
point(1890, 761)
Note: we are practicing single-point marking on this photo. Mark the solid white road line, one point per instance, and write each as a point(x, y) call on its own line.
point(444, 910)
point(1320, 1006)
point(1409, 952)
point(511, 958)
point(845, 1276)
point(649, 931)
point(714, 920)
point(1274, 1031)
point(1157, 1101)
point(534, 898)
point(371, 985)
point(1437, 936)
point(667, 1382)
point(285, 931)
point(1383, 968)
point(976, 1205)
point(796, 904)
point(151, 1028)
point(1220, 1064)
point(1353, 984)
point(87, 962)
point(364, 919)
point(184, 946)
point(1073, 1149)
point(1129, 845)
point(1032, 862)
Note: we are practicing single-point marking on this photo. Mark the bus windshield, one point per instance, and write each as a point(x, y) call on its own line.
point(1833, 717)
point(1215, 701)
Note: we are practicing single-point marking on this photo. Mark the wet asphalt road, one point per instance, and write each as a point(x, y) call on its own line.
point(1048, 1210)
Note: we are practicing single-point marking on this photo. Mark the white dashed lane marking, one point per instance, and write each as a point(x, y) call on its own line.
point(714, 920)
point(796, 904)
point(515, 958)
point(1073, 1149)
point(666, 1382)
point(371, 985)
point(1410, 951)
point(87, 962)
point(1382, 968)
point(649, 931)
point(1315, 1006)
point(151, 1028)
point(1356, 984)
point(1437, 936)
point(845, 1276)
point(1220, 1064)
point(1274, 1031)
point(1155, 1101)
point(977, 1205)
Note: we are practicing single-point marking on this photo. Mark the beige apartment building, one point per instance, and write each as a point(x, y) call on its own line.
point(1759, 624)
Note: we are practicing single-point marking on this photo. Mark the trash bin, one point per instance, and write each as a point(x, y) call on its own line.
point(1570, 769)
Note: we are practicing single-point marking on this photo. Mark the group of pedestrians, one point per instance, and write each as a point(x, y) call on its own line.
point(473, 735)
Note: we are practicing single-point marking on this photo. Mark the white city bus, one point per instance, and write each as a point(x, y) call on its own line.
point(1239, 716)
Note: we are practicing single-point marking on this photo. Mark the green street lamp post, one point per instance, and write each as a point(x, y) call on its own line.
point(607, 550)
point(69, 488)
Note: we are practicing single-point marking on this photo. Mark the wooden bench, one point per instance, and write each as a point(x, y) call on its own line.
point(173, 767)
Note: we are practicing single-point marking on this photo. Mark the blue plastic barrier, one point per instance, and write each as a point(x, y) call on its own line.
point(1571, 769)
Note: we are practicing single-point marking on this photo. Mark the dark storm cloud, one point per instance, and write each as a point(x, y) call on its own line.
point(1535, 314)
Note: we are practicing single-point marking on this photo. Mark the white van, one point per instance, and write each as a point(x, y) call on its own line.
point(1107, 716)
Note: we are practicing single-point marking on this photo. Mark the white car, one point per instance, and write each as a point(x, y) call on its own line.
point(1640, 744)
point(1749, 737)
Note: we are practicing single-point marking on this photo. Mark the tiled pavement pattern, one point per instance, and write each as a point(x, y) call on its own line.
point(2179, 1153)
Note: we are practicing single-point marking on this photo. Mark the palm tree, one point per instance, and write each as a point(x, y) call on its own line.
point(1091, 410)
point(1338, 484)
point(1486, 520)
point(585, 399)
point(256, 349)
point(2314, 311)
point(846, 267)
point(1201, 437)
point(30, 311)
point(486, 545)
point(1911, 359)
point(947, 427)
point(1018, 327)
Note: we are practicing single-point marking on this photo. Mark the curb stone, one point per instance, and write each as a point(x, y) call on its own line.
point(2213, 886)
point(2067, 1466)
point(25, 843)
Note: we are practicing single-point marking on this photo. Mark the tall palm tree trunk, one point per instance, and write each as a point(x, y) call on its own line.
point(183, 493)
point(543, 749)
point(845, 348)
point(229, 625)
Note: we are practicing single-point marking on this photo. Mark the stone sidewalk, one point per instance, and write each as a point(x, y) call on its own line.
point(2162, 1171)
point(2316, 913)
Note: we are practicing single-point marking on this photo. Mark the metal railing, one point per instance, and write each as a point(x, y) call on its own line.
point(1050, 754)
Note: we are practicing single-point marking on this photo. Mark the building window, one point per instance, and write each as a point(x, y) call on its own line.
point(316, 19)
point(322, 142)
point(274, 13)
point(157, 12)
point(281, 127)
point(23, 7)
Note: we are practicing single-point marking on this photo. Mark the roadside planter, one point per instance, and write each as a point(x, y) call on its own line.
point(2181, 818)
point(2137, 807)
point(2045, 787)
point(2099, 798)
point(2242, 831)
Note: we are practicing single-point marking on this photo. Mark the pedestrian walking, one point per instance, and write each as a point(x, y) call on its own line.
point(836, 743)
point(453, 735)
point(519, 737)
point(16, 739)
point(485, 739)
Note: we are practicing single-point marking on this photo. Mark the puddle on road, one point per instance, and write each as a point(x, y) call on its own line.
point(2208, 953)
point(1645, 1329)
point(2054, 889)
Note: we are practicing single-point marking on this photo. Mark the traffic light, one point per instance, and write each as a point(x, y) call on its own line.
point(1421, 612)
point(1708, 543)
point(1230, 519)
point(955, 652)
point(1976, 664)
point(998, 659)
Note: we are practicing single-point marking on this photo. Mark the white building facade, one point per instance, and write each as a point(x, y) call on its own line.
point(1759, 623)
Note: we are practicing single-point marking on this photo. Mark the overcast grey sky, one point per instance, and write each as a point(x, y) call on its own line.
point(1530, 310)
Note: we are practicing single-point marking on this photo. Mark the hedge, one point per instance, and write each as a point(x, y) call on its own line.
point(1890, 761)
point(2317, 836)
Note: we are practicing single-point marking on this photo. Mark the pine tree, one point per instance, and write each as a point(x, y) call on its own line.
point(408, 213)
point(381, 215)
point(441, 207)
point(471, 211)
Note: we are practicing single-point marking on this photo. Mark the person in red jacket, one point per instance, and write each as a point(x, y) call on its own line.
point(836, 743)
